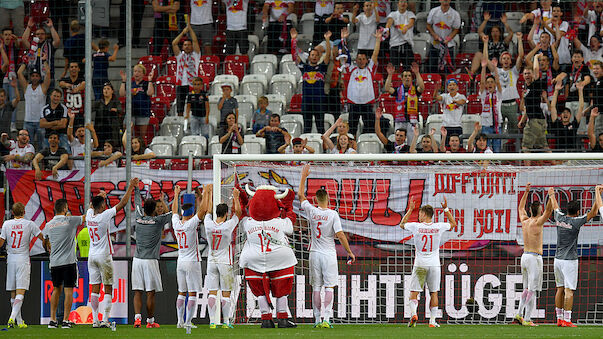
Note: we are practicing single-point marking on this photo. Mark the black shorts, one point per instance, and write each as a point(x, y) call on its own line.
point(65, 275)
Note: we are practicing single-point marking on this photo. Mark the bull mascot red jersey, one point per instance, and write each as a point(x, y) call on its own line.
point(267, 257)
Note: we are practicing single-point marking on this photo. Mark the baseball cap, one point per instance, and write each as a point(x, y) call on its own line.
point(296, 141)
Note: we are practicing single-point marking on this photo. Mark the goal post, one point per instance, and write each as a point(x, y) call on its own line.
point(481, 275)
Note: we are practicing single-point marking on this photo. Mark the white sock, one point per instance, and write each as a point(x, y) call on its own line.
point(264, 306)
point(180, 308)
point(16, 306)
point(94, 305)
point(316, 303)
point(414, 304)
point(282, 307)
point(138, 316)
point(225, 310)
point(433, 312)
point(530, 305)
point(211, 304)
point(108, 306)
point(328, 304)
point(559, 312)
point(151, 320)
point(522, 302)
point(190, 309)
point(567, 315)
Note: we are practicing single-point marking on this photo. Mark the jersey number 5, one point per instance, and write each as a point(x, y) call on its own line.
point(318, 229)
point(13, 235)
point(426, 238)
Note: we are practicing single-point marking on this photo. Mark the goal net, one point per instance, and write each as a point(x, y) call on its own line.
point(481, 275)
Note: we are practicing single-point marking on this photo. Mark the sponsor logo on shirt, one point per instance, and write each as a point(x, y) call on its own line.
point(313, 77)
point(360, 78)
point(563, 224)
point(443, 25)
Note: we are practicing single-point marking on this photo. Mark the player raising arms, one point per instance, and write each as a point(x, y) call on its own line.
point(426, 268)
point(566, 256)
point(188, 271)
point(325, 225)
point(531, 259)
point(100, 260)
point(17, 233)
point(220, 274)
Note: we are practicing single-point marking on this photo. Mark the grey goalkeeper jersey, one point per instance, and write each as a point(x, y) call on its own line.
point(148, 231)
point(568, 229)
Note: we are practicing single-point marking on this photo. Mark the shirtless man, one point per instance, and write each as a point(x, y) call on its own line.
point(531, 259)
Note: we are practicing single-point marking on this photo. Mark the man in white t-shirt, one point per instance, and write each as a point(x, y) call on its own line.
point(188, 271)
point(17, 233)
point(544, 14)
point(202, 23)
point(490, 93)
point(220, 271)
point(187, 65)
point(452, 108)
point(100, 260)
point(275, 14)
point(21, 151)
point(508, 75)
point(367, 26)
point(325, 225)
point(400, 25)
point(443, 23)
point(427, 237)
point(236, 26)
point(35, 99)
point(78, 143)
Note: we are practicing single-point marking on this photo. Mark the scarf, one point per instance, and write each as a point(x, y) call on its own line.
point(172, 20)
point(444, 58)
point(550, 88)
point(186, 65)
point(494, 112)
point(406, 105)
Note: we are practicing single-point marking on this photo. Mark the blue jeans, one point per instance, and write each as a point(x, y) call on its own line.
point(494, 144)
point(199, 127)
point(11, 96)
point(36, 134)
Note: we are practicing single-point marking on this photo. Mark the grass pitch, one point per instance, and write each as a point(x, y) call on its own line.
point(340, 331)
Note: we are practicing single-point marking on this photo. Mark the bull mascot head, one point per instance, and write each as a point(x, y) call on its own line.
point(267, 203)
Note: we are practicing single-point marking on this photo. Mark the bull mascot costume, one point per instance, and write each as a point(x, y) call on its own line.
point(267, 257)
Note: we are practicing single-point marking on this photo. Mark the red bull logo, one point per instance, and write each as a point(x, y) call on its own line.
point(313, 77)
point(360, 78)
point(323, 3)
point(452, 106)
point(199, 3)
point(442, 25)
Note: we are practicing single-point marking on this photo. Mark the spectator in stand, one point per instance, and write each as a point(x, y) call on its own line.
point(21, 152)
point(540, 15)
point(54, 118)
point(274, 134)
point(560, 29)
point(594, 18)
point(166, 24)
point(73, 46)
point(74, 87)
point(383, 8)
point(323, 10)
point(12, 46)
point(236, 26)
point(343, 145)
point(202, 23)
point(367, 26)
point(443, 23)
point(12, 11)
point(406, 113)
point(334, 23)
point(7, 106)
point(110, 153)
point(261, 116)
point(592, 53)
point(313, 77)
point(428, 143)
point(140, 153)
point(59, 157)
point(535, 93)
point(198, 104)
point(100, 65)
point(276, 14)
point(343, 129)
point(60, 10)
point(108, 115)
point(452, 107)
point(295, 146)
point(578, 74)
point(138, 7)
point(596, 141)
point(544, 41)
point(187, 65)
point(596, 93)
point(547, 72)
point(334, 77)
point(41, 49)
point(454, 142)
point(78, 142)
point(142, 91)
point(496, 43)
point(479, 145)
point(35, 99)
point(399, 144)
point(508, 76)
point(563, 127)
point(231, 136)
point(227, 103)
point(361, 94)
point(490, 93)
point(400, 25)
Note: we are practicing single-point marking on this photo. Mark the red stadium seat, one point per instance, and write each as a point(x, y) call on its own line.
point(157, 163)
point(434, 79)
point(179, 164)
point(152, 63)
point(160, 107)
point(464, 81)
point(396, 80)
point(474, 105)
point(463, 60)
point(387, 103)
point(425, 104)
point(236, 65)
point(208, 67)
point(417, 58)
point(165, 86)
point(171, 66)
point(219, 44)
point(296, 104)
point(521, 82)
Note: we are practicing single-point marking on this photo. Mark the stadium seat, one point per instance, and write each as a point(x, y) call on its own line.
point(218, 46)
point(434, 121)
point(421, 22)
point(283, 84)
point(171, 66)
point(306, 24)
point(277, 103)
point(251, 148)
point(215, 147)
point(165, 86)
point(369, 143)
point(294, 123)
point(172, 126)
point(314, 141)
point(387, 103)
point(254, 84)
point(164, 145)
point(329, 121)
point(247, 106)
point(296, 104)
point(263, 67)
point(464, 82)
point(236, 65)
point(214, 112)
point(160, 106)
point(432, 82)
point(208, 66)
point(152, 63)
point(474, 105)
point(254, 45)
point(219, 80)
point(195, 143)
point(252, 139)
point(463, 60)
point(470, 43)
point(513, 20)
point(266, 58)
point(290, 67)
point(468, 121)
point(421, 43)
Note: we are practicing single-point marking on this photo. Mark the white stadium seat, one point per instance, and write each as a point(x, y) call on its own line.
point(247, 106)
point(294, 123)
point(369, 143)
point(252, 139)
point(277, 103)
point(306, 23)
point(434, 121)
point(254, 85)
point(468, 121)
point(314, 141)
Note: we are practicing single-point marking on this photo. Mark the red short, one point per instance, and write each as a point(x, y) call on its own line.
point(278, 282)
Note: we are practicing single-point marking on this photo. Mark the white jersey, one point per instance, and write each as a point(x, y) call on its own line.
point(324, 224)
point(427, 241)
point(35, 99)
point(187, 237)
point(16, 149)
point(17, 234)
point(77, 150)
point(267, 247)
point(220, 239)
point(98, 228)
